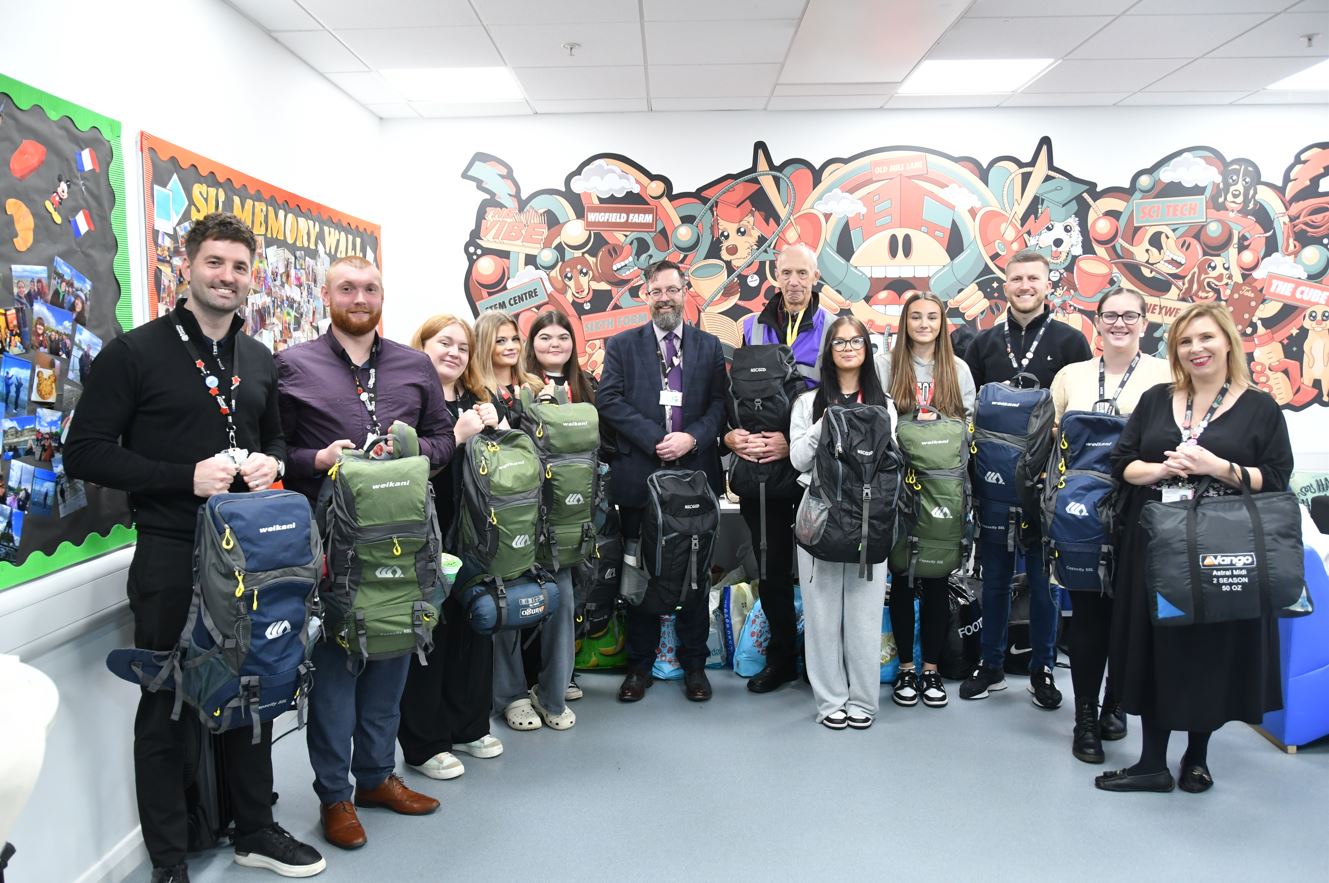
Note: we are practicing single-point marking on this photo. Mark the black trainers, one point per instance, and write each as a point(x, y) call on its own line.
point(177, 874)
point(1044, 689)
point(934, 691)
point(984, 680)
point(276, 850)
point(906, 688)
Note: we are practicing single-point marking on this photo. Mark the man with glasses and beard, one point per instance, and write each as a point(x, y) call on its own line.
point(662, 390)
point(338, 391)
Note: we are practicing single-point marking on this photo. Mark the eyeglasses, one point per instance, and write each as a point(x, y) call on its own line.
point(1128, 318)
point(854, 343)
point(672, 291)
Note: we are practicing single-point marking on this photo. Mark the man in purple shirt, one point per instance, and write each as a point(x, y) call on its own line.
point(337, 392)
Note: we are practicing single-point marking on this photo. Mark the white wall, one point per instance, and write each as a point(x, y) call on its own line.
point(425, 265)
point(197, 73)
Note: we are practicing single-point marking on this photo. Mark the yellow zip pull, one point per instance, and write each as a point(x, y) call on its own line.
point(332, 473)
point(540, 430)
point(255, 607)
point(909, 479)
point(239, 583)
point(396, 547)
point(1064, 446)
point(493, 516)
point(548, 473)
point(228, 539)
point(1061, 465)
point(217, 713)
point(484, 466)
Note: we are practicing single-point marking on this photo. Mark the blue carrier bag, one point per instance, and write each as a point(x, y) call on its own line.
point(243, 655)
point(1078, 501)
point(1012, 439)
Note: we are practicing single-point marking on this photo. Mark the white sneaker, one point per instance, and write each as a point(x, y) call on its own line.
point(443, 765)
point(485, 746)
point(562, 721)
point(573, 692)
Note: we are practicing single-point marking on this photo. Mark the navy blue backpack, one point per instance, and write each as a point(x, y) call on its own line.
point(1012, 438)
point(1078, 501)
point(243, 655)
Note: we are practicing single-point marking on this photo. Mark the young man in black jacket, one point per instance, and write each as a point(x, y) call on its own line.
point(178, 410)
point(1028, 340)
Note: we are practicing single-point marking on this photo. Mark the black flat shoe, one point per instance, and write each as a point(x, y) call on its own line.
point(1195, 778)
point(1120, 780)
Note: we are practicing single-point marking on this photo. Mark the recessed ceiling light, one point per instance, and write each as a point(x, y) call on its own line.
point(1313, 79)
point(984, 76)
point(468, 85)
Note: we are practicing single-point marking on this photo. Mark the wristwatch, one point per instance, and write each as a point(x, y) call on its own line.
point(281, 467)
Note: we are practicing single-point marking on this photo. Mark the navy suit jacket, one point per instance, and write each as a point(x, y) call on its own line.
point(629, 401)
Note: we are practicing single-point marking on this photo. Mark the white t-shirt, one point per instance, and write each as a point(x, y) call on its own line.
point(1075, 388)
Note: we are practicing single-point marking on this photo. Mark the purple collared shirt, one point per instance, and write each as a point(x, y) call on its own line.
point(319, 404)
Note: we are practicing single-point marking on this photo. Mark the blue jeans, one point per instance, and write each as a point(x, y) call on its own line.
point(353, 721)
point(998, 567)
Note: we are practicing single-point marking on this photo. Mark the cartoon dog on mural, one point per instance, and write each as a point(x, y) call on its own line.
point(1208, 280)
point(574, 278)
point(1236, 192)
point(1315, 350)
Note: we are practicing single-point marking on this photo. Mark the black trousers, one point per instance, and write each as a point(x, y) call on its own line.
point(447, 701)
point(933, 611)
point(643, 629)
point(776, 588)
point(160, 589)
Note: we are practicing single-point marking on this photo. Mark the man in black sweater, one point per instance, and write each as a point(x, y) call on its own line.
point(180, 409)
point(1030, 341)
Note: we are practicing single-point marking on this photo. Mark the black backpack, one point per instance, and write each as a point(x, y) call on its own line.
point(849, 513)
point(595, 582)
point(763, 383)
point(678, 531)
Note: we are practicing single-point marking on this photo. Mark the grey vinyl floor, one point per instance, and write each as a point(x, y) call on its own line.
point(748, 787)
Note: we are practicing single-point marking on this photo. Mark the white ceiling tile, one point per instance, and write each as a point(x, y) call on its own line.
point(367, 88)
point(836, 89)
point(554, 83)
point(320, 50)
point(1064, 99)
point(829, 45)
point(695, 43)
point(1205, 7)
point(1311, 6)
point(1223, 75)
point(535, 12)
point(450, 109)
point(730, 10)
point(1281, 35)
point(1181, 99)
point(1025, 9)
point(826, 102)
point(542, 45)
point(683, 80)
point(395, 110)
point(591, 105)
point(422, 47)
point(1287, 96)
point(1046, 37)
point(277, 15)
point(749, 102)
point(1100, 75)
point(336, 14)
point(938, 101)
point(1165, 36)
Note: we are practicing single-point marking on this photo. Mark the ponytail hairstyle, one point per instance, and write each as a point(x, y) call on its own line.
point(946, 394)
point(869, 385)
point(579, 387)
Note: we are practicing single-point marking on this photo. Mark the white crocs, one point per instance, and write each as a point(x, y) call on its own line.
point(521, 716)
point(562, 721)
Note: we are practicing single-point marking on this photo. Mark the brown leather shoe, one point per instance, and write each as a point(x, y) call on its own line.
point(394, 795)
point(341, 825)
point(634, 686)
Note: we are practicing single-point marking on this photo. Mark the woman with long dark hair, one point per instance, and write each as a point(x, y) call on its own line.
point(841, 611)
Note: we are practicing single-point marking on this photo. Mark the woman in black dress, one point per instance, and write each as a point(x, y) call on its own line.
point(1209, 420)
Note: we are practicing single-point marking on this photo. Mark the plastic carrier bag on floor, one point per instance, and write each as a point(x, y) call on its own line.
point(890, 651)
point(666, 666)
point(730, 606)
point(750, 653)
point(605, 650)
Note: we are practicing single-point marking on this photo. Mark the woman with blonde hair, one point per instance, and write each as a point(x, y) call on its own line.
point(445, 706)
point(924, 378)
point(499, 365)
point(1209, 423)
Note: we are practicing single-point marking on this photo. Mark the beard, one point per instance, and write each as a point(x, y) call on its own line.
point(355, 323)
point(667, 319)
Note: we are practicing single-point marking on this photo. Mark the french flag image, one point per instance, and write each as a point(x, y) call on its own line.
point(81, 223)
point(86, 161)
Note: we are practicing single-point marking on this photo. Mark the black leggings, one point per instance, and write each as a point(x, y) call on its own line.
point(1091, 626)
point(1153, 747)
point(933, 610)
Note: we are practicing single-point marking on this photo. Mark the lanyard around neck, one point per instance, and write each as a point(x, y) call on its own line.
point(226, 402)
point(791, 330)
point(1189, 437)
point(365, 385)
point(1110, 405)
point(1029, 354)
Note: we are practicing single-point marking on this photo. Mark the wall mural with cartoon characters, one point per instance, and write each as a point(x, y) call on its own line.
point(1192, 226)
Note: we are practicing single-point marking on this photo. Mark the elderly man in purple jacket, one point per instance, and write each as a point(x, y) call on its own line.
point(337, 392)
point(793, 318)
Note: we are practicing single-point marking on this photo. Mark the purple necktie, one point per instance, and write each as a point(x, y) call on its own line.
point(675, 378)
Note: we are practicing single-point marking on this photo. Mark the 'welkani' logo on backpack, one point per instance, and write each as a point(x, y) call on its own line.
point(273, 528)
point(388, 484)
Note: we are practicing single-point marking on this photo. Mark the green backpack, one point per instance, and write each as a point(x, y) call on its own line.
point(384, 581)
point(567, 437)
point(499, 525)
point(937, 487)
